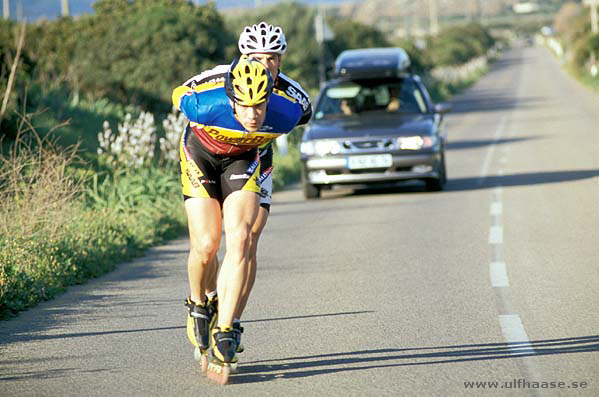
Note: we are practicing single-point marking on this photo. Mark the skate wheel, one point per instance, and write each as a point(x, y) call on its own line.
point(201, 358)
point(234, 367)
point(223, 377)
point(203, 363)
point(219, 373)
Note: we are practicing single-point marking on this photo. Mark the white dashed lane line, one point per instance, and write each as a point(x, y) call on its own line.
point(496, 235)
point(488, 158)
point(514, 333)
point(511, 324)
point(498, 275)
point(496, 208)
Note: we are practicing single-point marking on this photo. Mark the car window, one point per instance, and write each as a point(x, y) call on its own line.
point(348, 99)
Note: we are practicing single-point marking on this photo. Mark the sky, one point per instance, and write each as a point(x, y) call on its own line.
point(50, 9)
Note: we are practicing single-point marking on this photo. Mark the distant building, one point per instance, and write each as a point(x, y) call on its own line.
point(525, 7)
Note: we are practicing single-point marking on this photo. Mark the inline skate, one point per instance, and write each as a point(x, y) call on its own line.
point(200, 320)
point(224, 360)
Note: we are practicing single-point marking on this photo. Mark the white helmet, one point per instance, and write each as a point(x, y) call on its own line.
point(262, 38)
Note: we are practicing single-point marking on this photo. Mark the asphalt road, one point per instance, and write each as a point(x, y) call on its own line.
point(386, 292)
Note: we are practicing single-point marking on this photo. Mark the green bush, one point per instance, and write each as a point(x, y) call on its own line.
point(58, 229)
point(584, 48)
point(136, 52)
point(286, 169)
point(459, 44)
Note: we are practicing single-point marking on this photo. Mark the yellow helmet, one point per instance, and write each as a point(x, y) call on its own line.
point(248, 82)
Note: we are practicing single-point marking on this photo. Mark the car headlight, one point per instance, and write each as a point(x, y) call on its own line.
point(415, 142)
point(307, 148)
point(322, 148)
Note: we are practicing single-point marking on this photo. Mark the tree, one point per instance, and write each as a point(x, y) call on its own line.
point(351, 34)
point(459, 44)
point(566, 16)
point(138, 51)
point(297, 21)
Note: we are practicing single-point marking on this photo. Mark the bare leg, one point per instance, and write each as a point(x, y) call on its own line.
point(204, 220)
point(212, 273)
point(253, 265)
point(239, 214)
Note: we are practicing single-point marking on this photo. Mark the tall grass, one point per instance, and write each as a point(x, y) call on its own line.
point(60, 225)
point(36, 187)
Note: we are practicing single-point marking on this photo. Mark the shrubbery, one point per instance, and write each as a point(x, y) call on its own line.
point(61, 225)
point(581, 46)
point(459, 44)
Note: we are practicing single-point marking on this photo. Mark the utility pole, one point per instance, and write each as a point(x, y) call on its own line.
point(323, 34)
point(6, 9)
point(433, 14)
point(593, 4)
point(65, 8)
point(594, 17)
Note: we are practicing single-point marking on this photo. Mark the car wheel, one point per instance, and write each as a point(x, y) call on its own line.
point(311, 191)
point(437, 184)
point(443, 169)
point(433, 185)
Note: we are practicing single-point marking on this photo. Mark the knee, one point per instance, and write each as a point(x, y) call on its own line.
point(240, 235)
point(254, 236)
point(204, 247)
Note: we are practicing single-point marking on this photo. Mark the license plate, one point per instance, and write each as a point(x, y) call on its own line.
point(369, 161)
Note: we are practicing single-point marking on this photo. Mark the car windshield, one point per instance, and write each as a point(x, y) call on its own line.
point(350, 98)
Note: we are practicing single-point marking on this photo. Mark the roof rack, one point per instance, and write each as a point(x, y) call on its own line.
point(365, 63)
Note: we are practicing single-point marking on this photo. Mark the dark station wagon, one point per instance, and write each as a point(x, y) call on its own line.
point(375, 123)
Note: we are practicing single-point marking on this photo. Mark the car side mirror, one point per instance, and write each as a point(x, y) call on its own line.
point(442, 107)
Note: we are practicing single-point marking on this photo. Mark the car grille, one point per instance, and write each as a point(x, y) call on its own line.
point(368, 144)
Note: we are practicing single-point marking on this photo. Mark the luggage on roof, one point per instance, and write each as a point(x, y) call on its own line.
point(368, 63)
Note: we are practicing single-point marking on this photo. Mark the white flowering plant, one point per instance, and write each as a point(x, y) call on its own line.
point(173, 126)
point(134, 144)
point(136, 140)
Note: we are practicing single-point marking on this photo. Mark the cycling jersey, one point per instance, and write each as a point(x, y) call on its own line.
point(283, 84)
point(208, 175)
point(212, 119)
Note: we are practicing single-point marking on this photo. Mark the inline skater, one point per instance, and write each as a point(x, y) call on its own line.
point(267, 44)
point(220, 170)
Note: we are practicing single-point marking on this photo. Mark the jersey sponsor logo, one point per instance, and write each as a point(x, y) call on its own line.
point(192, 179)
point(214, 80)
point(197, 182)
point(234, 177)
point(264, 193)
point(252, 168)
point(302, 100)
point(207, 82)
point(265, 174)
point(253, 140)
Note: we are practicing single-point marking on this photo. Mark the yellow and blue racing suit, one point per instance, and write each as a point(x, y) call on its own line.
point(218, 156)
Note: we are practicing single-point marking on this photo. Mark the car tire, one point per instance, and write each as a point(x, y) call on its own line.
point(437, 184)
point(433, 185)
point(311, 191)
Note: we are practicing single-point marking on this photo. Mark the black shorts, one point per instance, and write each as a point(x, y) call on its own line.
point(205, 174)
